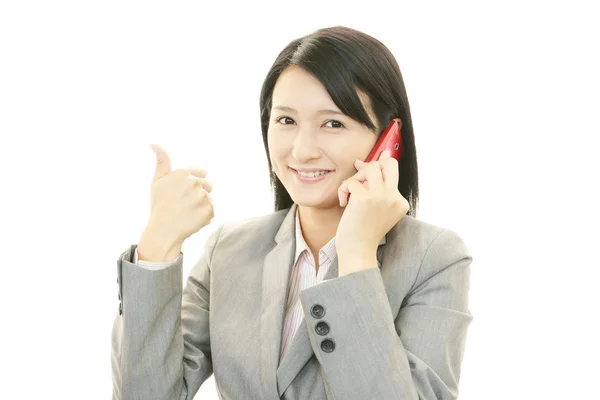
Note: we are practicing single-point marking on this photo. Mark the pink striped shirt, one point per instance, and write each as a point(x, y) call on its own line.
point(304, 275)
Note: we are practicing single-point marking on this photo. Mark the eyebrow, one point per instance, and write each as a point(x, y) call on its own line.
point(290, 109)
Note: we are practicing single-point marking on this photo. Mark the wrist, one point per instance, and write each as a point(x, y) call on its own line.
point(357, 252)
point(357, 260)
point(153, 246)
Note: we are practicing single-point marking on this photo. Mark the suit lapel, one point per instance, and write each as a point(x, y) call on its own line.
point(276, 276)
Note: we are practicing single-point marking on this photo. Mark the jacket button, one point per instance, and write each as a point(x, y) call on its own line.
point(119, 296)
point(327, 345)
point(317, 311)
point(322, 328)
point(120, 308)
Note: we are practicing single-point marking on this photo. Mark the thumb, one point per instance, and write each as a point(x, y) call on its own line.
point(163, 162)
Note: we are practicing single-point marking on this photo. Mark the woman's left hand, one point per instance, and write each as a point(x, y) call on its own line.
point(374, 208)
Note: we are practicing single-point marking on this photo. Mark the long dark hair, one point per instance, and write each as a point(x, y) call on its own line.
point(344, 60)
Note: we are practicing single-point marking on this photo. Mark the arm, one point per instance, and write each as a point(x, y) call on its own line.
point(160, 341)
point(415, 355)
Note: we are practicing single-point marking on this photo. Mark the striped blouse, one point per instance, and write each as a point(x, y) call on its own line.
point(304, 275)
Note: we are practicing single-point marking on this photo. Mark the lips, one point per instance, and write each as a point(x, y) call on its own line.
point(311, 179)
point(311, 170)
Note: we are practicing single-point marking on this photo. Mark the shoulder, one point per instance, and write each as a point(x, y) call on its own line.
point(250, 233)
point(423, 235)
point(426, 247)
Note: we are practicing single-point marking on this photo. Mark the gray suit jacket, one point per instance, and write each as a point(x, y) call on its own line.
point(393, 332)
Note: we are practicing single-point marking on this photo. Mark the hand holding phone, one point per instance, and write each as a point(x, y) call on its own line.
point(390, 139)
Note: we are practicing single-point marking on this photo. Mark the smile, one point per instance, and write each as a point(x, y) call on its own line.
point(310, 176)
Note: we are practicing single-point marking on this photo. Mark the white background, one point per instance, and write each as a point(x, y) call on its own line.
point(504, 99)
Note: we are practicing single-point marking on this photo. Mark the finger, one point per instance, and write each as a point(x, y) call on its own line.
point(361, 175)
point(373, 175)
point(343, 193)
point(163, 162)
point(198, 172)
point(206, 185)
point(356, 188)
point(390, 173)
point(359, 164)
point(384, 154)
point(348, 186)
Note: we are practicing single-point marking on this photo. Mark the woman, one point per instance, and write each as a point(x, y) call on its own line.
point(324, 298)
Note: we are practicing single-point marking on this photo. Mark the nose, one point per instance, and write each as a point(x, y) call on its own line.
point(305, 145)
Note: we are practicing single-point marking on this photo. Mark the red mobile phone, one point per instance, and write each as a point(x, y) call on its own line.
point(390, 139)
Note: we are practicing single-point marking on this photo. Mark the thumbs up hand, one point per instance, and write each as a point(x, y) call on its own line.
point(180, 201)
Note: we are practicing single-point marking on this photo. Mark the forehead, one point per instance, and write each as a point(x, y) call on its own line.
point(299, 89)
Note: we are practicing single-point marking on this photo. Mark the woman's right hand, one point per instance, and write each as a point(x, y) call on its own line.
point(180, 203)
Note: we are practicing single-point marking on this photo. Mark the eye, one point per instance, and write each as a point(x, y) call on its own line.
point(340, 125)
point(278, 119)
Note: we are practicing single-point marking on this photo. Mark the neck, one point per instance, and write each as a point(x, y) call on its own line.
point(319, 225)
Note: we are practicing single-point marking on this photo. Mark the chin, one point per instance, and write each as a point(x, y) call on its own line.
point(307, 200)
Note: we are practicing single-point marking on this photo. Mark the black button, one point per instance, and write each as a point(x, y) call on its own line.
point(327, 345)
point(322, 328)
point(119, 296)
point(120, 308)
point(317, 311)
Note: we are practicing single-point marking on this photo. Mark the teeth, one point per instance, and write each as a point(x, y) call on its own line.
point(312, 174)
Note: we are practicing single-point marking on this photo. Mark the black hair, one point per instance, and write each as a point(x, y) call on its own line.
point(345, 60)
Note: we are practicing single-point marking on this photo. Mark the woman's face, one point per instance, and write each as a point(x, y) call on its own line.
point(308, 131)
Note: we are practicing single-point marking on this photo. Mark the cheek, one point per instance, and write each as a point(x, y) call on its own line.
point(278, 147)
point(274, 160)
point(276, 156)
point(344, 161)
point(272, 145)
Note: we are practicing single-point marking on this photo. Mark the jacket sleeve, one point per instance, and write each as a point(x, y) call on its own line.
point(160, 337)
point(415, 354)
point(153, 264)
